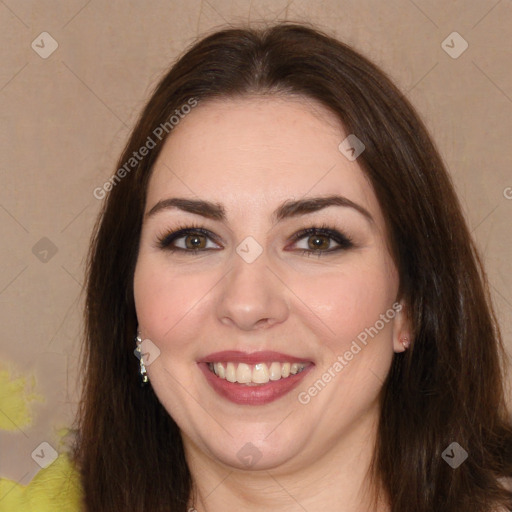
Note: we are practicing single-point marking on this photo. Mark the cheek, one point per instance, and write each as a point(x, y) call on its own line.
point(350, 300)
point(164, 297)
point(355, 306)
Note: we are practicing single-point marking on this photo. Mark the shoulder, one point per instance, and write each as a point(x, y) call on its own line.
point(55, 488)
point(506, 482)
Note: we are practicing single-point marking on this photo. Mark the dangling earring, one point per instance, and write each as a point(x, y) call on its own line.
point(405, 342)
point(142, 368)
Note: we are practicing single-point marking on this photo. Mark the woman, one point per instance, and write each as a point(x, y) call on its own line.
point(283, 249)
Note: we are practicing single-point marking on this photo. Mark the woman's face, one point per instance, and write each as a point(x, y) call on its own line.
point(300, 330)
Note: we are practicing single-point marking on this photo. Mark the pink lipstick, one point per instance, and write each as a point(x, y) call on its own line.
point(257, 378)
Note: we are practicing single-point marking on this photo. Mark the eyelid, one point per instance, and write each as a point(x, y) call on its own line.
point(164, 240)
point(344, 241)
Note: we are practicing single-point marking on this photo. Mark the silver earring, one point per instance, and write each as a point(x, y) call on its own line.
point(142, 368)
point(406, 342)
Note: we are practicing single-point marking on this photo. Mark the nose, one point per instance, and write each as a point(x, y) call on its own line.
point(252, 296)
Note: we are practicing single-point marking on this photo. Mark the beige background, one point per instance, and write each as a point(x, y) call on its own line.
point(65, 119)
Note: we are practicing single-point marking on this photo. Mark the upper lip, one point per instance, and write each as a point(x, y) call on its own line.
point(250, 358)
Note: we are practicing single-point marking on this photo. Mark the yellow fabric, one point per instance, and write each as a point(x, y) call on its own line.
point(54, 489)
point(16, 397)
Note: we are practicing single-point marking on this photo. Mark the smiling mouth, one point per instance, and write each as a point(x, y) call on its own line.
point(257, 374)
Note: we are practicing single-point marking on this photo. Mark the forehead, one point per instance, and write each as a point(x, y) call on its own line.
point(250, 150)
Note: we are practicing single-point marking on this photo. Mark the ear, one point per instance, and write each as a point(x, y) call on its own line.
point(402, 328)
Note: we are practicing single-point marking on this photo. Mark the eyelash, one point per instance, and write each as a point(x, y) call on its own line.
point(344, 242)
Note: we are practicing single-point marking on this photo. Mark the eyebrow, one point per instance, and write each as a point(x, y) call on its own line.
point(290, 208)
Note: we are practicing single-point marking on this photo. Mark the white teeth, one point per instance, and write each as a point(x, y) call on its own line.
point(275, 371)
point(219, 370)
point(231, 372)
point(243, 373)
point(260, 373)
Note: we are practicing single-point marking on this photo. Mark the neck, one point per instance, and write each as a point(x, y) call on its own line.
point(338, 480)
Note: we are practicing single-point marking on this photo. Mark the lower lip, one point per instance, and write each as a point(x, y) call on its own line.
point(253, 395)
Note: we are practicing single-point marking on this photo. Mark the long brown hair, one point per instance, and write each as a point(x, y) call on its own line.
point(449, 387)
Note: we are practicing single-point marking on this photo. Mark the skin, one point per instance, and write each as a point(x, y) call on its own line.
point(251, 154)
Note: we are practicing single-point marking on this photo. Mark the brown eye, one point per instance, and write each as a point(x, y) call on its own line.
point(318, 242)
point(321, 240)
point(189, 240)
point(195, 241)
